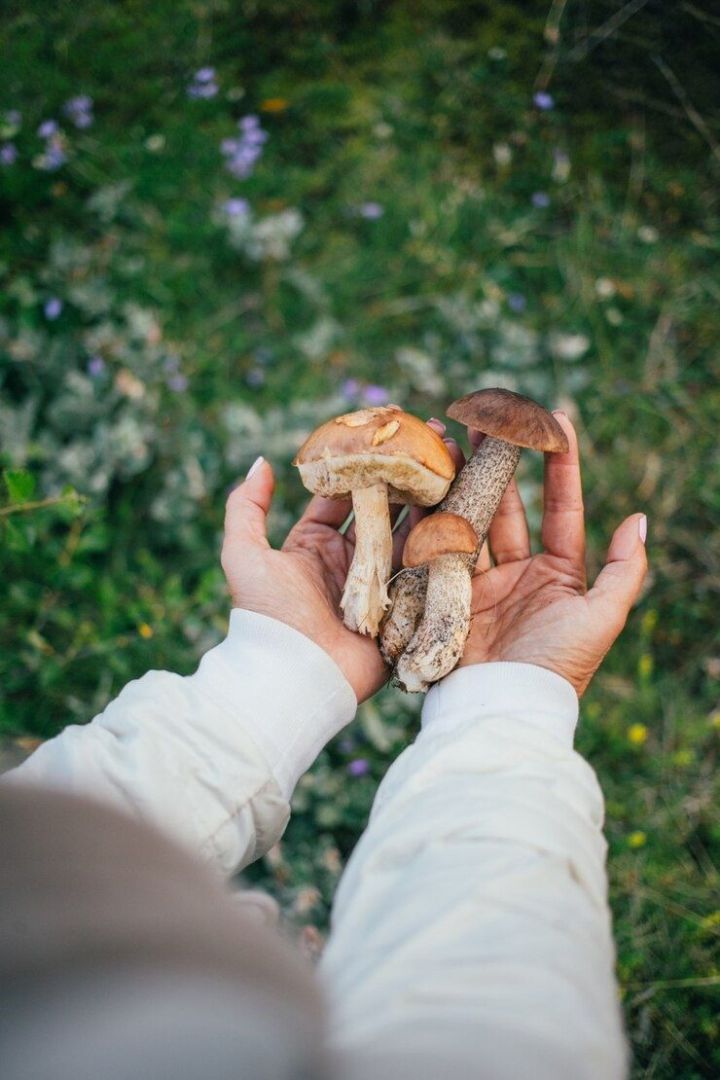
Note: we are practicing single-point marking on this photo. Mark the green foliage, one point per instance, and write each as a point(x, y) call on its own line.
point(394, 239)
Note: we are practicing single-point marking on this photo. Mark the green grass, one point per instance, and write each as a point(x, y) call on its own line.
point(426, 110)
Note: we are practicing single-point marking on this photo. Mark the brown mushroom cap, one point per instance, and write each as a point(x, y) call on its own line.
point(516, 419)
point(382, 445)
point(439, 534)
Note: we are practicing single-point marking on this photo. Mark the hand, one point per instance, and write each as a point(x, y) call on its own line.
point(301, 584)
point(536, 609)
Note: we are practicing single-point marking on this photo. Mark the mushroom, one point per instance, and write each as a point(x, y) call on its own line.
point(445, 544)
point(377, 456)
point(417, 641)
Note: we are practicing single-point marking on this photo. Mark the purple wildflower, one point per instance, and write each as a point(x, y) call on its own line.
point(95, 367)
point(8, 154)
point(241, 154)
point(203, 90)
point(53, 308)
point(79, 110)
point(203, 84)
point(543, 100)
point(255, 377)
point(376, 395)
point(236, 207)
point(171, 364)
point(540, 199)
point(47, 129)
point(359, 767)
point(178, 383)
point(516, 302)
point(347, 744)
point(54, 156)
point(350, 388)
point(371, 210)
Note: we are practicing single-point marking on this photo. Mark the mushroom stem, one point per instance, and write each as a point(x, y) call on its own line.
point(440, 639)
point(474, 495)
point(365, 597)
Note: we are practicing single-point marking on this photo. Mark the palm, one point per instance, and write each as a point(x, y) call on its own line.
point(301, 584)
point(314, 562)
point(533, 611)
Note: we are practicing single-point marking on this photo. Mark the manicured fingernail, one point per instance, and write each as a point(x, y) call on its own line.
point(438, 424)
point(255, 466)
point(642, 528)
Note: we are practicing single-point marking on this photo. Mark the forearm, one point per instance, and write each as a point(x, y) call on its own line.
point(472, 923)
point(211, 758)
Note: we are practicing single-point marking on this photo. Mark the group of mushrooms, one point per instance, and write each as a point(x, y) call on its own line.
point(384, 455)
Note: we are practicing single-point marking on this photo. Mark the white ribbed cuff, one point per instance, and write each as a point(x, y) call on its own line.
point(290, 697)
point(480, 691)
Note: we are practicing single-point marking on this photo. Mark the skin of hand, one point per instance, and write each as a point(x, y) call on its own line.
point(301, 584)
point(536, 609)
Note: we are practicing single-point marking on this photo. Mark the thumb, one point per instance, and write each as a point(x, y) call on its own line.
point(247, 507)
point(618, 584)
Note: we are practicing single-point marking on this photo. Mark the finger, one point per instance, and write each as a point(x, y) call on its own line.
point(322, 511)
point(476, 437)
point(619, 583)
point(248, 505)
point(484, 562)
point(563, 527)
point(509, 535)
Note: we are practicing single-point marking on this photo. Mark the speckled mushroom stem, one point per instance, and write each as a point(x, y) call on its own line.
point(365, 597)
point(474, 495)
point(440, 639)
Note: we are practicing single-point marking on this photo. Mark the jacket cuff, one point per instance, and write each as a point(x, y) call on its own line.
point(527, 692)
point(294, 697)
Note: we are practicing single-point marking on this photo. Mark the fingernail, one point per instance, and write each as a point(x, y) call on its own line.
point(441, 426)
point(255, 466)
point(559, 412)
point(642, 528)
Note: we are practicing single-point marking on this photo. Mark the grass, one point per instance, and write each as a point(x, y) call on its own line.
point(215, 344)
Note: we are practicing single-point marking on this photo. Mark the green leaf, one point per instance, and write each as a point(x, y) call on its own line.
point(20, 484)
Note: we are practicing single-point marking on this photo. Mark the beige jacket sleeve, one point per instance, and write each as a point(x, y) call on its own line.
point(471, 933)
point(210, 758)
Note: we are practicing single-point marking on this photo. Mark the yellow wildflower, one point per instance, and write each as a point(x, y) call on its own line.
point(714, 719)
point(637, 734)
point(649, 621)
point(711, 921)
point(683, 758)
point(274, 104)
point(645, 665)
point(145, 631)
point(637, 839)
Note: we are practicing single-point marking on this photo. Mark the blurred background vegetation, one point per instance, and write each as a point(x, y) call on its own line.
point(222, 223)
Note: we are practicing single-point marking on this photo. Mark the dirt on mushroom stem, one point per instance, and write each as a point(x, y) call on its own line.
point(475, 495)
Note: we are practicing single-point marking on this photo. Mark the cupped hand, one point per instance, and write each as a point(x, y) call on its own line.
point(536, 609)
point(301, 584)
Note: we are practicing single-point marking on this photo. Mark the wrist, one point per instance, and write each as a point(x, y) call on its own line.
point(503, 689)
point(294, 696)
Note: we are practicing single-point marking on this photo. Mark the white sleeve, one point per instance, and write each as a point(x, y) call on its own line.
point(471, 932)
point(211, 758)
